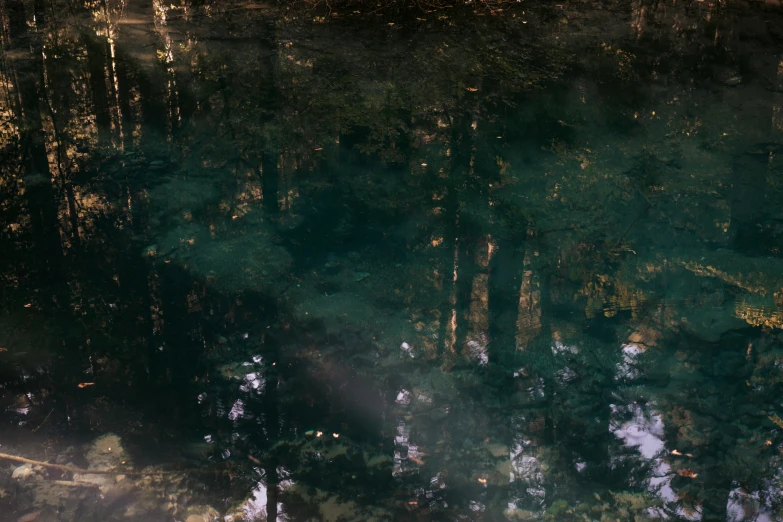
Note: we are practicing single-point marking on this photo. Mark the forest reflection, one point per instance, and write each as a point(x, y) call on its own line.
point(267, 263)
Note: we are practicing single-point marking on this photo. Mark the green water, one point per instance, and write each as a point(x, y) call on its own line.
point(391, 263)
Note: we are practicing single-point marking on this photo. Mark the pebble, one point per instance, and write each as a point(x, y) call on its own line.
point(498, 450)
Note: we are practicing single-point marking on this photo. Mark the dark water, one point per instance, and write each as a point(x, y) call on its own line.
point(391, 263)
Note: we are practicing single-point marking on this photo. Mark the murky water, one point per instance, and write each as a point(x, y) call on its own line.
point(511, 263)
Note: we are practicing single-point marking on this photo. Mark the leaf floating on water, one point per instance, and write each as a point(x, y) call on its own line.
point(687, 472)
point(85, 384)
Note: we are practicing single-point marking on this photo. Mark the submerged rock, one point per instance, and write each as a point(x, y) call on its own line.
point(378, 460)
point(106, 452)
point(24, 471)
point(498, 450)
point(249, 262)
point(202, 514)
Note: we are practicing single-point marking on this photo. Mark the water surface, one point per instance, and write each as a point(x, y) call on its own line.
point(391, 263)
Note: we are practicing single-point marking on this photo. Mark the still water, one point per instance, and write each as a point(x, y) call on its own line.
point(509, 262)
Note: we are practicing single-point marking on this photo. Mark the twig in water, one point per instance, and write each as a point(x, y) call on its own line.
point(73, 469)
point(44, 421)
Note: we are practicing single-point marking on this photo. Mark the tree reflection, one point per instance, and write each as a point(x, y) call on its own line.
point(412, 274)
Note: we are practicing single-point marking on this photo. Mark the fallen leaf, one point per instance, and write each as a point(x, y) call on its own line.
point(3, 349)
point(28, 305)
point(687, 472)
point(471, 89)
point(482, 480)
point(416, 461)
point(675, 452)
point(253, 459)
point(85, 384)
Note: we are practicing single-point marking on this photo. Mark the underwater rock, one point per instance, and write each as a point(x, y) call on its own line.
point(104, 482)
point(337, 311)
point(24, 471)
point(41, 515)
point(202, 514)
point(335, 451)
point(498, 450)
point(242, 262)
point(644, 336)
point(30, 517)
point(378, 460)
point(106, 452)
point(333, 508)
